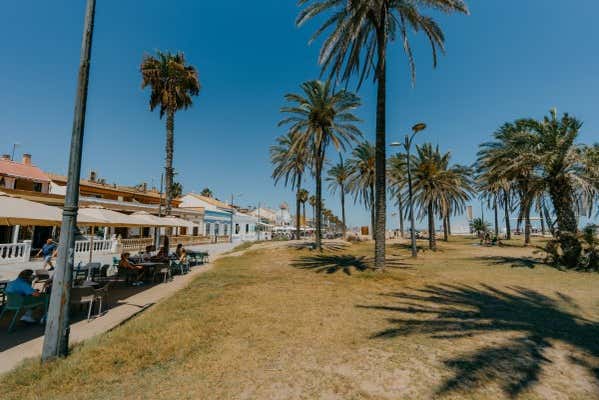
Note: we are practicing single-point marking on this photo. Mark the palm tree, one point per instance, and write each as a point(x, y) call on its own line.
point(303, 198)
point(338, 176)
point(508, 158)
point(290, 157)
point(206, 192)
point(360, 32)
point(439, 187)
point(480, 227)
point(570, 184)
point(361, 181)
point(312, 201)
point(396, 171)
point(173, 83)
point(322, 116)
point(177, 189)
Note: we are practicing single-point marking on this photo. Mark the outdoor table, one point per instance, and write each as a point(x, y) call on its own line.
point(150, 266)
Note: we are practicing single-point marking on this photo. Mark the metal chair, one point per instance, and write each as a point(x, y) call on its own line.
point(2, 293)
point(18, 303)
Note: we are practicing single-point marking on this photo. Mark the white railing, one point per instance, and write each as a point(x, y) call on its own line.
point(99, 246)
point(14, 252)
point(136, 244)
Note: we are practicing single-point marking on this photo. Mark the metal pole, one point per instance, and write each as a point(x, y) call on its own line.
point(410, 195)
point(56, 338)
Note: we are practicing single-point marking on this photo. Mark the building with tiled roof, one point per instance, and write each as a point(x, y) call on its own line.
point(22, 175)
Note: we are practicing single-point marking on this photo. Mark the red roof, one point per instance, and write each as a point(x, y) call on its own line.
point(20, 170)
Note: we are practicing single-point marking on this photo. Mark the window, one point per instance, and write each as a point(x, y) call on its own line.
point(216, 226)
point(225, 230)
point(207, 229)
point(247, 228)
point(37, 187)
point(237, 229)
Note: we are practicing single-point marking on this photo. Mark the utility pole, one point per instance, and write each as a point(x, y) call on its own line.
point(56, 337)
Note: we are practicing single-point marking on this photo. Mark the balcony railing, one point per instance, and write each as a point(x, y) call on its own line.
point(14, 252)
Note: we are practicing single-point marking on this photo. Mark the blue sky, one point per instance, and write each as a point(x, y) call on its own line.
point(506, 60)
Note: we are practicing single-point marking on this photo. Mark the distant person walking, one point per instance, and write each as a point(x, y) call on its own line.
point(48, 251)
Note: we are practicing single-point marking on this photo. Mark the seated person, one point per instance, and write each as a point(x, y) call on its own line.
point(179, 250)
point(183, 256)
point(22, 287)
point(161, 256)
point(126, 264)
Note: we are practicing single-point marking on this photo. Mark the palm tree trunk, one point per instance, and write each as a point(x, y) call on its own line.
point(445, 229)
point(527, 227)
point(381, 157)
point(297, 207)
point(304, 212)
point(372, 213)
point(168, 168)
point(400, 210)
point(448, 224)
point(432, 242)
point(506, 210)
point(319, 160)
point(342, 187)
point(542, 222)
point(496, 216)
point(560, 192)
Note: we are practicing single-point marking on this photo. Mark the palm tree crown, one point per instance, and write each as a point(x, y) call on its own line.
point(173, 83)
point(321, 116)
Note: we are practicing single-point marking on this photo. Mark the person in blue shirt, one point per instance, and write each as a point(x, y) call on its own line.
point(22, 287)
point(48, 251)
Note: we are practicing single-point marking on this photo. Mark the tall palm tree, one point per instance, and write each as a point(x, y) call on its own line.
point(323, 117)
point(396, 171)
point(361, 181)
point(173, 83)
point(360, 34)
point(439, 186)
point(312, 201)
point(570, 184)
point(290, 157)
point(338, 176)
point(303, 198)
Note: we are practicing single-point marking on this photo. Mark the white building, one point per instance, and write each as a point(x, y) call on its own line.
point(244, 227)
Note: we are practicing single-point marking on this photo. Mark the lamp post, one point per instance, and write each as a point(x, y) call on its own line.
point(56, 337)
point(407, 144)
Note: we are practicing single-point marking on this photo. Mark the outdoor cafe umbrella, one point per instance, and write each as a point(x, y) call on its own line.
point(17, 211)
point(108, 218)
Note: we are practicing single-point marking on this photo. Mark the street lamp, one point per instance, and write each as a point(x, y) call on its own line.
point(407, 144)
point(56, 336)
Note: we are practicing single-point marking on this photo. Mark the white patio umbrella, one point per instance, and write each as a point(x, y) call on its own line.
point(17, 211)
point(109, 218)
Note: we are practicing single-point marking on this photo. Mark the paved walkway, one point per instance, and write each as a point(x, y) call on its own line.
point(126, 309)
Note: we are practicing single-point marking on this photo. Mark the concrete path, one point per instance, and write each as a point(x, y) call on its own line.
point(126, 309)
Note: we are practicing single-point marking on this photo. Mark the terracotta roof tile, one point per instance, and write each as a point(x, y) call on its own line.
point(19, 170)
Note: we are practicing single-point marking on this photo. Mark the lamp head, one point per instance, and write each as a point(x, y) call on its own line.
point(419, 127)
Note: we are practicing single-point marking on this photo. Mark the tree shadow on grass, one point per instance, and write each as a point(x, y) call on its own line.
point(331, 263)
point(514, 262)
point(420, 248)
point(461, 311)
point(328, 246)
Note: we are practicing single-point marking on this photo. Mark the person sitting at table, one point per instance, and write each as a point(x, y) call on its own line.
point(138, 270)
point(22, 287)
point(161, 256)
point(183, 256)
point(179, 250)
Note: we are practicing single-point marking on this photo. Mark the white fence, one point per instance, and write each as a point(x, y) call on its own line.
point(14, 252)
point(137, 244)
point(100, 246)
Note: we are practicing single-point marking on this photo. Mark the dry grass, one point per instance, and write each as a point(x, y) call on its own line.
point(285, 323)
